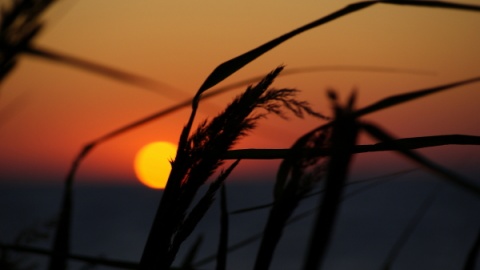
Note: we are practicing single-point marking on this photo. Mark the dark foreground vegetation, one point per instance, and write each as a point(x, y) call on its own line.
point(321, 157)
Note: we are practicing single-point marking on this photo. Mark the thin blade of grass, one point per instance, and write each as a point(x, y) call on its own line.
point(281, 211)
point(434, 4)
point(61, 241)
point(302, 70)
point(408, 143)
point(113, 73)
point(402, 98)
point(61, 244)
point(410, 228)
point(446, 174)
point(343, 141)
point(359, 68)
point(224, 228)
point(300, 183)
point(229, 67)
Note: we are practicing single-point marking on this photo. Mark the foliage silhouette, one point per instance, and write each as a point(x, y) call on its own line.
point(324, 152)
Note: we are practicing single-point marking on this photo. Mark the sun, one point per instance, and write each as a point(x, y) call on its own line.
point(152, 163)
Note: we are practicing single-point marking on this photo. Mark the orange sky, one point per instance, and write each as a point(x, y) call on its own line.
point(59, 109)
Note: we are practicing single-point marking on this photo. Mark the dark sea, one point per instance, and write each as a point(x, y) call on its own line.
point(113, 222)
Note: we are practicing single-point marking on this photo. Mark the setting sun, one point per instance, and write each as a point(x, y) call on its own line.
point(152, 163)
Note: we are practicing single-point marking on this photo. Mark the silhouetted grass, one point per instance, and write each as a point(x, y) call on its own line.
point(343, 139)
point(200, 154)
point(222, 251)
point(322, 154)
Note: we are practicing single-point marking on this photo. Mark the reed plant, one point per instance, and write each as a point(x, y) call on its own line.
point(199, 156)
point(322, 155)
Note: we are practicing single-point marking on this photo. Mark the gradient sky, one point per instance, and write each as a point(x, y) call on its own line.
point(58, 109)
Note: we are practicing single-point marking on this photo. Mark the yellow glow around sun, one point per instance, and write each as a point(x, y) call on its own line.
point(152, 163)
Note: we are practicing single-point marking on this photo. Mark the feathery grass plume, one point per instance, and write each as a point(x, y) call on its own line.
point(343, 139)
point(200, 154)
